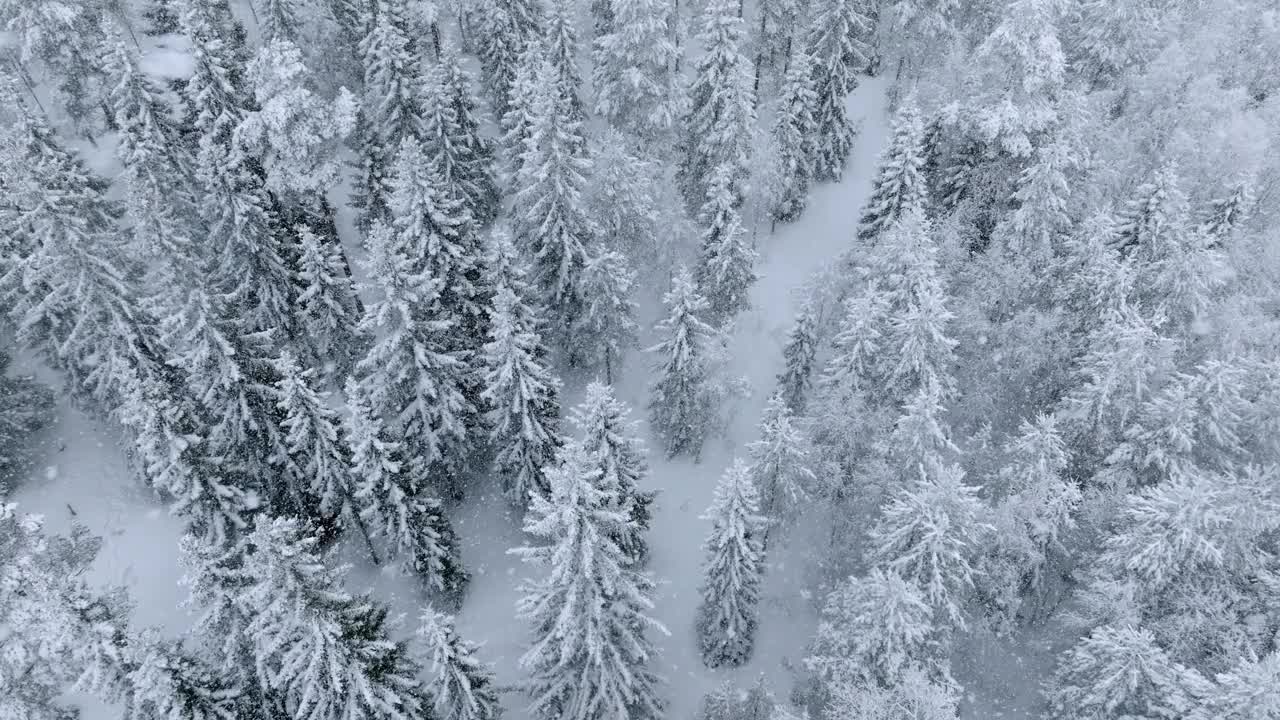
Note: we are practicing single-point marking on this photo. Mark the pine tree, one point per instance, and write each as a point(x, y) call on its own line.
point(327, 303)
point(316, 470)
point(328, 652)
point(461, 157)
point(634, 73)
point(929, 534)
point(606, 329)
point(390, 490)
point(391, 111)
point(680, 402)
point(799, 354)
point(609, 438)
point(161, 17)
point(215, 96)
point(1226, 214)
point(899, 185)
point(725, 273)
point(779, 20)
point(166, 681)
point(522, 396)
point(550, 220)
point(562, 52)
point(735, 563)
point(411, 376)
point(506, 27)
point(794, 128)
point(463, 687)
point(590, 651)
point(718, 127)
point(627, 195)
point(1121, 672)
point(278, 19)
point(26, 406)
point(780, 464)
point(517, 122)
point(838, 54)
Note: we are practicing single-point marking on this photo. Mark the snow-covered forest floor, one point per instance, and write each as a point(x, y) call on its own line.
point(82, 469)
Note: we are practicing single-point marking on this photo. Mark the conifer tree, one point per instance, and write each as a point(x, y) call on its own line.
point(550, 220)
point(1226, 214)
point(411, 376)
point(215, 96)
point(327, 652)
point(725, 273)
point(517, 122)
point(780, 464)
point(798, 356)
point(461, 157)
point(506, 27)
point(779, 20)
point(899, 185)
point(161, 17)
point(278, 19)
point(391, 111)
point(680, 402)
point(735, 563)
point(838, 55)
point(610, 441)
point(606, 328)
point(590, 651)
point(327, 304)
point(562, 52)
point(793, 132)
point(390, 489)
point(718, 127)
point(462, 686)
point(634, 70)
point(316, 470)
point(522, 396)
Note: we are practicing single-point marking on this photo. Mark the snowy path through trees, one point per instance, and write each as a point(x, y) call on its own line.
point(140, 538)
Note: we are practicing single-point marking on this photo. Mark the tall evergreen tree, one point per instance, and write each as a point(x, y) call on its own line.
point(328, 308)
point(725, 271)
point(794, 128)
point(550, 220)
point(680, 402)
point(462, 686)
point(635, 69)
point(610, 441)
point(462, 158)
point(562, 52)
point(411, 375)
point(591, 651)
point(727, 617)
point(390, 489)
point(780, 466)
point(899, 185)
point(522, 396)
point(161, 17)
point(838, 55)
point(328, 652)
point(506, 27)
point(391, 110)
point(606, 328)
point(721, 118)
point(798, 355)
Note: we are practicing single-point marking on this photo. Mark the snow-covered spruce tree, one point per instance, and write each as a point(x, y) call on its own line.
point(327, 652)
point(64, 44)
point(412, 376)
point(550, 221)
point(680, 402)
point(439, 234)
point(731, 575)
point(561, 41)
point(626, 196)
point(899, 185)
point(721, 115)
point(609, 438)
point(794, 128)
point(874, 630)
point(1112, 37)
point(215, 98)
point(780, 466)
point(327, 306)
point(590, 651)
point(775, 35)
point(462, 686)
point(161, 17)
point(393, 499)
point(930, 533)
point(279, 19)
point(634, 70)
point(1226, 214)
point(918, 695)
point(522, 396)
point(838, 52)
point(726, 270)
point(606, 329)
point(461, 157)
point(517, 121)
point(316, 470)
point(506, 27)
point(798, 356)
point(391, 110)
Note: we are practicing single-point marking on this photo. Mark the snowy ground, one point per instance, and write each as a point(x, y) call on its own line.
point(82, 475)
